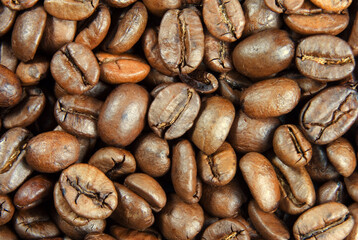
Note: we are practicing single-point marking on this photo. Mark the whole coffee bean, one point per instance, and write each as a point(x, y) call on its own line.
point(181, 40)
point(155, 78)
point(19, 5)
point(270, 98)
point(291, 146)
point(226, 229)
point(152, 155)
point(249, 227)
point(122, 68)
point(297, 190)
point(273, 47)
point(120, 124)
point(252, 135)
point(259, 17)
point(173, 110)
point(267, 224)
point(353, 210)
point(308, 86)
point(92, 31)
point(7, 57)
point(329, 114)
point(57, 33)
point(332, 6)
point(325, 58)
point(326, 221)
point(70, 10)
point(180, 220)
point(223, 201)
point(127, 29)
point(284, 5)
point(353, 37)
point(32, 72)
point(132, 210)
point(342, 156)
point(159, 7)
point(352, 185)
point(213, 124)
point(27, 32)
point(114, 162)
point(331, 191)
point(7, 233)
point(78, 114)
point(13, 167)
point(27, 111)
point(52, 151)
point(261, 178)
point(88, 191)
point(8, 17)
point(75, 68)
point(98, 236)
point(7, 209)
point(12, 91)
point(126, 234)
point(34, 223)
point(33, 192)
point(201, 80)
point(120, 3)
point(184, 172)
point(310, 19)
point(225, 20)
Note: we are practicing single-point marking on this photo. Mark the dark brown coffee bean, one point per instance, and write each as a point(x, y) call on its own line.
point(88, 191)
point(267, 224)
point(252, 135)
point(7, 233)
point(263, 54)
point(201, 80)
point(33, 192)
point(324, 58)
point(326, 221)
point(19, 5)
point(11, 88)
point(98, 236)
point(180, 220)
point(174, 110)
point(353, 210)
point(132, 210)
point(75, 68)
point(342, 156)
point(52, 151)
point(329, 114)
point(127, 234)
point(78, 115)
point(270, 98)
point(120, 3)
point(291, 146)
point(114, 162)
point(8, 17)
point(122, 68)
point(181, 40)
point(27, 33)
point(7, 57)
point(261, 178)
point(309, 87)
point(226, 229)
point(32, 72)
point(120, 124)
point(184, 172)
point(332, 6)
point(155, 78)
point(152, 155)
point(352, 185)
point(7, 209)
point(70, 10)
point(13, 167)
point(159, 7)
point(27, 111)
point(353, 37)
point(34, 223)
point(331, 191)
point(284, 5)
point(127, 30)
point(212, 124)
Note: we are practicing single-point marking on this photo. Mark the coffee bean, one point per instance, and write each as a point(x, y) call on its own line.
point(19, 5)
point(99, 236)
point(7, 57)
point(202, 81)
point(8, 17)
point(353, 211)
point(331, 191)
point(32, 72)
point(352, 185)
point(7, 209)
point(332, 6)
point(284, 5)
point(12, 91)
point(147, 234)
point(226, 229)
point(7, 233)
point(353, 37)
point(70, 10)
point(159, 7)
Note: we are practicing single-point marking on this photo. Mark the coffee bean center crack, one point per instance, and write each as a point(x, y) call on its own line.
point(327, 61)
point(14, 156)
point(72, 62)
point(299, 150)
point(225, 18)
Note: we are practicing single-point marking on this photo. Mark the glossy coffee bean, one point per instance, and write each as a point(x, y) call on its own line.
point(284, 5)
point(332, 6)
point(7, 57)
point(226, 229)
point(19, 5)
point(308, 86)
point(12, 91)
point(201, 80)
point(353, 210)
point(98, 236)
point(8, 17)
point(7, 233)
point(353, 37)
point(126, 233)
point(331, 191)
point(7, 209)
point(351, 183)
point(70, 10)
point(159, 7)
point(120, 3)
point(52, 151)
point(32, 72)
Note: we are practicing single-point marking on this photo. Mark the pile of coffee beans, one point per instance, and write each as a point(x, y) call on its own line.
point(180, 119)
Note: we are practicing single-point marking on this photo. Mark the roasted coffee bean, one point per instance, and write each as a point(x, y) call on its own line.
point(158, 88)
point(126, 233)
point(159, 7)
point(152, 155)
point(284, 5)
point(353, 37)
point(326, 221)
point(7, 209)
point(291, 146)
point(13, 167)
point(98, 236)
point(32, 72)
point(261, 178)
point(202, 81)
point(70, 10)
point(226, 229)
point(174, 110)
point(332, 6)
point(180, 220)
point(331, 191)
point(308, 86)
point(120, 124)
point(114, 162)
point(27, 33)
point(127, 29)
point(181, 40)
point(329, 114)
point(19, 5)
point(75, 68)
point(11, 88)
point(264, 53)
point(120, 3)
point(325, 58)
point(86, 187)
point(351, 183)
point(7, 233)
point(52, 151)
point(7, 57)
point(155, 78)
point(8, 17)
point(353, 210)
point(33, 192)
point(78, 115)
